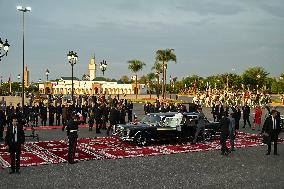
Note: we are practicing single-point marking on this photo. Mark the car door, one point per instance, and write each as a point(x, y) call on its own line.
point(189, 125)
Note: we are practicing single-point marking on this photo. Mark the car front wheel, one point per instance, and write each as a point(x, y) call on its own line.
point(141, 139)
point(208, 136)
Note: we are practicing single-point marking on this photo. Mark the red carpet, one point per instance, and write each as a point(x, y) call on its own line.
point(52, 152)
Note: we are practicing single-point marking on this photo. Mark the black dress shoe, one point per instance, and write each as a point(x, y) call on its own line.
point(18, 171)
point(276, 154)
point(12, 172)
point(267, 153)
point(73, 162)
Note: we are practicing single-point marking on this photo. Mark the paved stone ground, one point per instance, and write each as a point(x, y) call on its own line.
point(245, 168)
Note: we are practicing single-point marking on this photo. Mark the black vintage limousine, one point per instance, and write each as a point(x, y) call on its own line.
point(164, 126)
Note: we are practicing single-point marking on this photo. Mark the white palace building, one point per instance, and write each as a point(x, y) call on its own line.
point(91, 87)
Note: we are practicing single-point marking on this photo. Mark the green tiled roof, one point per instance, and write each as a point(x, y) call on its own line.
point(69, 78)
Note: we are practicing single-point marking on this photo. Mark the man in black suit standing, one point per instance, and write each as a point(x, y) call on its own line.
point(43, 115)
point(113, 118)
point(271, 126)
point(225, 132)
point(15, 138)
point(58, 114)
point(213, 110)
point(129, 111)
point(2, 123)
point(51, 112)
point(98, 118)
point(246, 114)
point(10, 110)
point(218, 111)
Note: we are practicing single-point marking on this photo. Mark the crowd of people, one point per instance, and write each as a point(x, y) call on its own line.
point(209, 99)
point(95, 110)
point(229, 118)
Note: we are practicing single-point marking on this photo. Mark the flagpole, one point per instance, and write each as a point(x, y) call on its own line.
point(10, 84)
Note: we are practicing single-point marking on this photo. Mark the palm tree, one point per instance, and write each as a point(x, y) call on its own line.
point(158, 67)
point(165, 56)
point(150, 77)
point(136, 66)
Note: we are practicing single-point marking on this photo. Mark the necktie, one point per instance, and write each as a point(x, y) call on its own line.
point(274, 124)
point(15, 135)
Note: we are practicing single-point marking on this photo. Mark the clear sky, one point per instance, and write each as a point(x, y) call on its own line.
point(209, 36)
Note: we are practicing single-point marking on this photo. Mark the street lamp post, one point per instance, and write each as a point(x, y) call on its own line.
point(158, 83)
point(4, 48)
point(103, 66)
point(19, 81)
point(46, 73)
point(23, 10)
point(258, 77)
point(19, 77)
point(72, 58)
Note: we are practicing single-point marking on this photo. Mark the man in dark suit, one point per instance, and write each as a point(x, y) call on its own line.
point(213, 110)
point(129, 111)
point(10, 110)
point(43, 115)
point(2, 123)
point(3, 105)
point(15, 138)
point(218, 111)
point(98, 118)
point(58, 113)
point(246, 114)
point(200, 125)
point(51, 112)
point(113, 118)
point(225, 131)
point(271, 126)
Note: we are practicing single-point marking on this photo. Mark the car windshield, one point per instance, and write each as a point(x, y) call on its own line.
point(151, 119)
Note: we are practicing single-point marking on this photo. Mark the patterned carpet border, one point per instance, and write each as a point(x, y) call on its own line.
point(100, 148)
